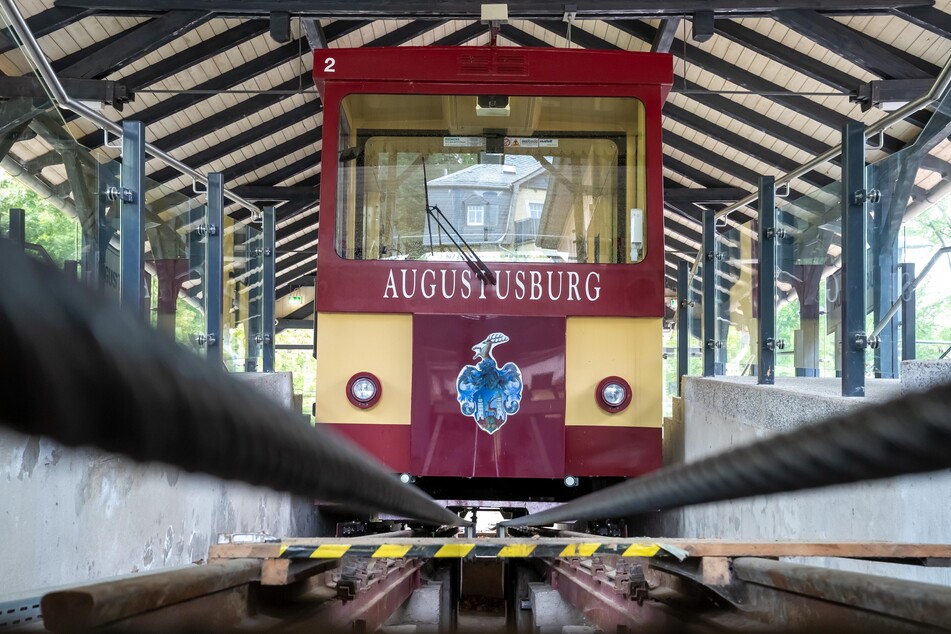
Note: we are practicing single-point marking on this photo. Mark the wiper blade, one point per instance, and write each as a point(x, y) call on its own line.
point(475, 263)
point(433, 212)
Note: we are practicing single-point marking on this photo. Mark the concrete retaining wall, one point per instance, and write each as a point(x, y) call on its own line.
point(722, 413)
point(70, 515)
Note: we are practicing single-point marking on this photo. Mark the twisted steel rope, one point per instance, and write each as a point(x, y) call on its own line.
point(78, 369)
point(911, 434)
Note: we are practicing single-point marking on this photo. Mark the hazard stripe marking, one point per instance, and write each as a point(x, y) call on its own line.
point(579, 550)
point(391, 551)
point(454, 550)
point(516, 550)
point(330, 551)
point(336, 550)
point(641, 550)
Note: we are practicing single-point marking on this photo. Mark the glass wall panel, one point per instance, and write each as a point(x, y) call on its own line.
point(241, 318)
point(737, 326)
point(809, 304)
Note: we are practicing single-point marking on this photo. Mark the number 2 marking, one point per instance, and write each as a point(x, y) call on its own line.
point(329, 68)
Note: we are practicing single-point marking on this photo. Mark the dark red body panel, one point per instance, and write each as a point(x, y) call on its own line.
point(612, 451)
point(389, 443)
point(531, 442)
point(450, 288)
point(413, 65)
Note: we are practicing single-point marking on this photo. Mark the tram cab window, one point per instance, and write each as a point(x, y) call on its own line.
point(568, 186)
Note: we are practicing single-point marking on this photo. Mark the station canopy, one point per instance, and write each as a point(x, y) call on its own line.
point(760, 87)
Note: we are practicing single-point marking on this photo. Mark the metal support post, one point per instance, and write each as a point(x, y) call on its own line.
point(908, 325)
point(214, 267)
point(854, 277)
point(710, 342)
point(766, 363)
point(683, 323)
point(267, 297)
point(131, 195)
point(17, 231)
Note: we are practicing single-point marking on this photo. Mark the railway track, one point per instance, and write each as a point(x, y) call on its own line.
point(591, 583)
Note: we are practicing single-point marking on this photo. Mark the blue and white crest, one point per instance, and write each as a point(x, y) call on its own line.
point(487, 393)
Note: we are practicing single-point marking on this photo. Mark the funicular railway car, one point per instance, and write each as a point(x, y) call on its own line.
point(491, 263)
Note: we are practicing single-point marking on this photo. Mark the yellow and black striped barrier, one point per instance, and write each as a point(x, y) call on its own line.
point(469, 550)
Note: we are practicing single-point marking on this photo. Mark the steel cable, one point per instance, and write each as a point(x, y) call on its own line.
point(911, 434)
point(78, 369)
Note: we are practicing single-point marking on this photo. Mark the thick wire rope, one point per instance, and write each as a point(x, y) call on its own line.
point(78, 369)
point(911, 434)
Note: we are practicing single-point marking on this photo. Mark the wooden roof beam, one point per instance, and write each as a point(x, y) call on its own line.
point(471, 9)
point(665, 35)
point(860, 49)
point(150, 37)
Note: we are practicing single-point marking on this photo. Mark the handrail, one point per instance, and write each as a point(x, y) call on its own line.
point(34, 53)
point(909, 288)
point(941, 85)
point(38, 248)
point(938, 89)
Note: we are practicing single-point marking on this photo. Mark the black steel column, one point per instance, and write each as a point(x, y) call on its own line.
point(854, 277)
point(17, 231)
point(131, 215)
point(683, 323)
point(709, 260)
point(908, 325)
point(267, 295)
point(766, 364)
point(214, 267)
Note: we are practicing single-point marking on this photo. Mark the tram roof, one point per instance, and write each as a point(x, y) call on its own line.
point(760, 87)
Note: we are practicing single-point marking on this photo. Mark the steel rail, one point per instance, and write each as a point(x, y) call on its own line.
point(33, 52)
point(84, 372)
point(911, 434)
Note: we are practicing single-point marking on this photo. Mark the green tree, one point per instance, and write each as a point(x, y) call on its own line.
point(46, 225)
point(933, 296)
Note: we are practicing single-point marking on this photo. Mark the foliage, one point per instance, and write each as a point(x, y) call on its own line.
point(301, 363)
point(46, 225)
point(933, 297)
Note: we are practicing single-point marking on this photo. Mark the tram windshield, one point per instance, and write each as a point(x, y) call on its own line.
point(518, 179)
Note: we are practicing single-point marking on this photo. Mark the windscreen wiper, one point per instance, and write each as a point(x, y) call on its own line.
point(433, 212)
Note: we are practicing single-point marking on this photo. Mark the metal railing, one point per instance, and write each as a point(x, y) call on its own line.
point(31, 49)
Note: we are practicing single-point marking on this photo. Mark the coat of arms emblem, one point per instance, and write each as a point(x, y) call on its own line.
point(486, 392)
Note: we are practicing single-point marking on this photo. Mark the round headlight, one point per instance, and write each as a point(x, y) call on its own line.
point(613, 394)
point(363, 390)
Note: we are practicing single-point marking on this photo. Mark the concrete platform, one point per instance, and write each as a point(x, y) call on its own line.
point(70, 515)
point(725, 412)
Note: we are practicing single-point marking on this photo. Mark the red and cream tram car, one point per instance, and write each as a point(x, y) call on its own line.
point(491, 261)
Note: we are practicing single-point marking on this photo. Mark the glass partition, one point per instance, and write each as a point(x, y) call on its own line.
point(694, 315)
point(909, 225)
point(737, 326)
point(921, 246)
point(242, 245)
point(174, 258)
point(809, 304)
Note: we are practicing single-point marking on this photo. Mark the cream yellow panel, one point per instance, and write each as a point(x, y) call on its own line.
point(380, 344)
point(598, 347)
